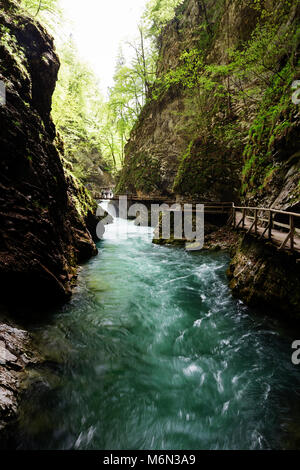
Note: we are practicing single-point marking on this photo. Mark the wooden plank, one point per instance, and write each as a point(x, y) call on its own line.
point(241, 220)
point(292, 231)
point(270, 225)
point(264, 232)
point(285, 241)
point(251, 226)
point(255, 221)
point(254, 224)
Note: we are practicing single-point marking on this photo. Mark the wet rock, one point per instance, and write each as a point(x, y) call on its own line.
point(223, 238)
point(17, 355)
point(265, 278)
point(47, 218)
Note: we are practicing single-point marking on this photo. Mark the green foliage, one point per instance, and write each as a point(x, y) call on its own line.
point(186, 74)
point(127, 97)
point(158, 13)
point(269, 61)
point(256, 61)
point(258, 75)
point(82, 199)
point(47, 12)
point(193, 70)
point(10, 43)
point(275, 123)
point(36, 7)
point(95, 131)
point(77, 111)
point(133, 81)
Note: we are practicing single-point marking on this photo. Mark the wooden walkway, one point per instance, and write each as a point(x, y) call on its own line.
point(281, 228)
point(220, 208)
point(262, 223)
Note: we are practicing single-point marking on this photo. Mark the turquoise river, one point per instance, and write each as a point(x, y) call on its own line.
point(155, 353)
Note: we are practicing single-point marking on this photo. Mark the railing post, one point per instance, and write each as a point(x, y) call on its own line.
point(292, 229)
point(234, 216)
point(270, 225)
point(244, 215)
point(255, 221)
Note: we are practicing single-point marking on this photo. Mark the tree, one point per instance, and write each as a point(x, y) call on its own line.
point(78, 112)
point(158, 13)
point(46, 11)
point(127, 97)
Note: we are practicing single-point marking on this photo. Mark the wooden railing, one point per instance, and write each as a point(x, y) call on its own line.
point(266, 230)
point(209, 207)
point(262, 220)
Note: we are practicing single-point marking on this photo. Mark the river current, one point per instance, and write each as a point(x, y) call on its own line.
point(155, 353)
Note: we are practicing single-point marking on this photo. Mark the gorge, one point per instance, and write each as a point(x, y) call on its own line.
point(123, 343)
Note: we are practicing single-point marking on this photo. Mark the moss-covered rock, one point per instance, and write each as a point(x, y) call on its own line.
point(265, 278)
point(142, 175)
point(220, 122)
point(46, 216)
point(273, 145)
point(203, 174)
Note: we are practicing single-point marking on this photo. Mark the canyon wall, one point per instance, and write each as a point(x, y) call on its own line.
point(221, 124)
point(47, 218)
point(233, 134)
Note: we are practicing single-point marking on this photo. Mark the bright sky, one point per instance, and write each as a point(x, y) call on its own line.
point(98, 27)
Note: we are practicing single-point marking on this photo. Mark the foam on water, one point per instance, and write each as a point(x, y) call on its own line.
point(160, 356)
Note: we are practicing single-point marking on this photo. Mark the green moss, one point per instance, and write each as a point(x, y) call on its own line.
point(10, 44)
point(184, 169)
point(207, 165)
point(272, 127)
point(141, 173)
point(83, 201)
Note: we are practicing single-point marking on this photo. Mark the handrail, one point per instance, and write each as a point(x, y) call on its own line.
point(270, 222)
point(168, 198)
point(225, 206)
point(296, 214)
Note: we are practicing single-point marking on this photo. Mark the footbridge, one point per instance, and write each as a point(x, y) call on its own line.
point(281, 228)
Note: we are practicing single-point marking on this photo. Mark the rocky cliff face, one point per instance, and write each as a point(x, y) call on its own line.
point(266, 279)
point(170, 151)
point(221, 125)
point(17, 357)
point(46, 216)
point(234, 133)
